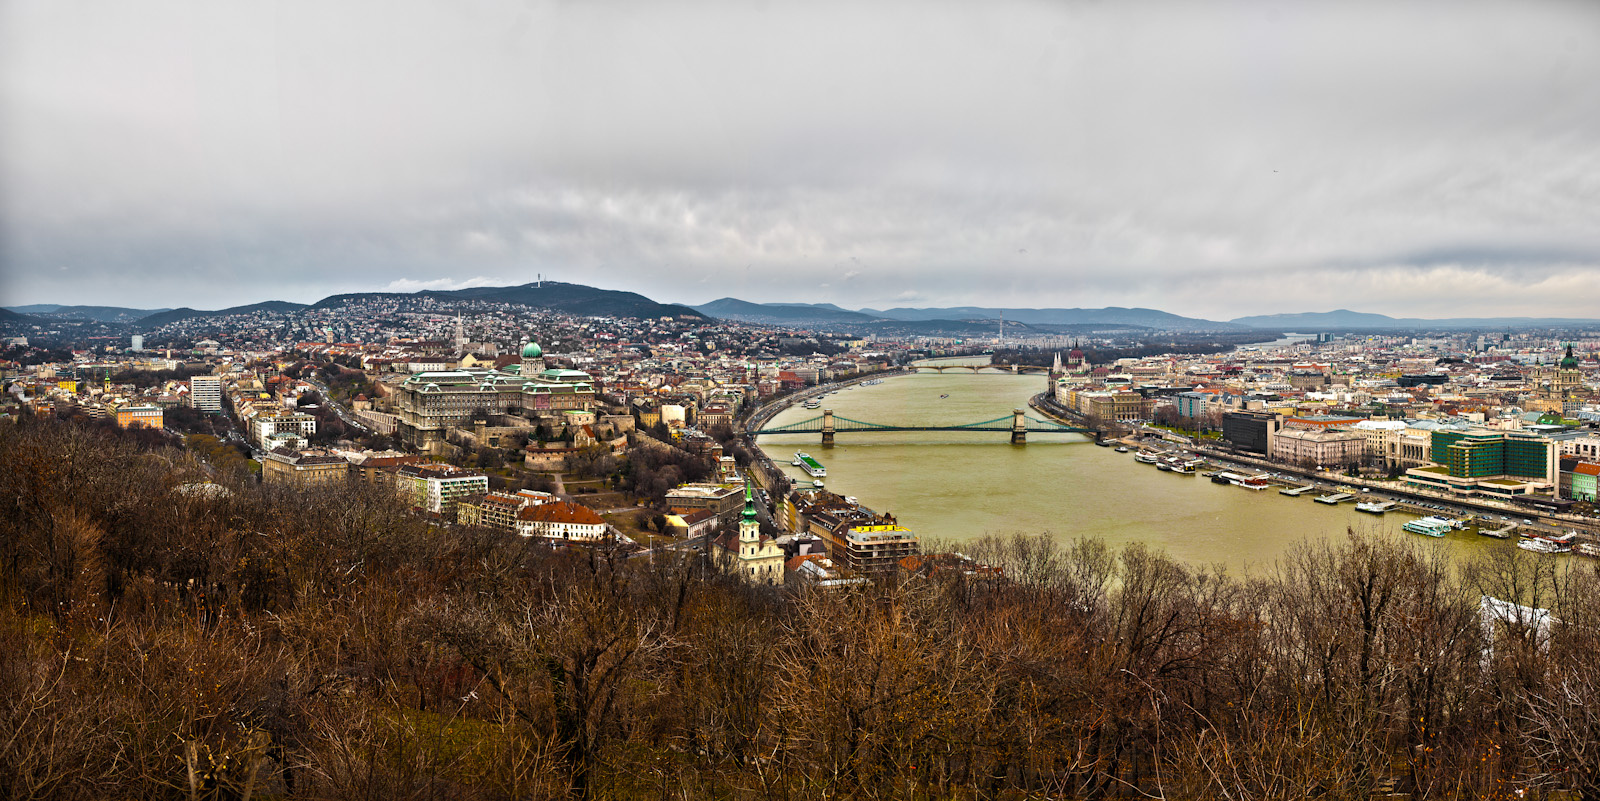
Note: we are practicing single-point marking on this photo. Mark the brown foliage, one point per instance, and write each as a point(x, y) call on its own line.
point(157, 642)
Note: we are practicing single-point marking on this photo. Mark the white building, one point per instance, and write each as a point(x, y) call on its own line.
point(205, 393)
point(272, 422)
point(561, 520)
point(436, 487)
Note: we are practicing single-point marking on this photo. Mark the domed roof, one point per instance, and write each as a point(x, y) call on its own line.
point(1570, 361)
point(532, 351)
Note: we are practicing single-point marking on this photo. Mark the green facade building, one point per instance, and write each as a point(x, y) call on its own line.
point(1486, 454)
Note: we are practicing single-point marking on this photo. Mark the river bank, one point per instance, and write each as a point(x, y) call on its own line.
point(953, 486)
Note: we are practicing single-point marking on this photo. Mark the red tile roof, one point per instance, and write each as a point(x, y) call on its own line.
point(561, 512)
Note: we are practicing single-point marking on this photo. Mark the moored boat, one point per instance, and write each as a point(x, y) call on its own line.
point(1427, 526)
point(1542, 545)
point(811, 466)
point(1251, 482)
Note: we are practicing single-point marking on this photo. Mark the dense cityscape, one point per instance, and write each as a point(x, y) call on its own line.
point(998, 401)
point(635, 440)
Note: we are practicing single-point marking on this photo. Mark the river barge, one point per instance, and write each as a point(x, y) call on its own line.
point(811, 466)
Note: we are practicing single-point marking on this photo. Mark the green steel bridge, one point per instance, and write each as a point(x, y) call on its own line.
point(982, 369)
point(1018, 424)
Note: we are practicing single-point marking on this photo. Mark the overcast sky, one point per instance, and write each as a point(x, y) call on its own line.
point(1208, 159)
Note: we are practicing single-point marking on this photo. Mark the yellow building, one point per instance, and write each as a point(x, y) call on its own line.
point(746, 553)
point(303, 469)
point(147, 416)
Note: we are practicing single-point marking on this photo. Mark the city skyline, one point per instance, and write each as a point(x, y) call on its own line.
point(1416, 160)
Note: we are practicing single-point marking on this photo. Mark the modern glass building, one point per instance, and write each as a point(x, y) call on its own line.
point(1485, 454)
point(1496, 463)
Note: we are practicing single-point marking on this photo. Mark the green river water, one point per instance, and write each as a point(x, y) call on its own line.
point(956, 486)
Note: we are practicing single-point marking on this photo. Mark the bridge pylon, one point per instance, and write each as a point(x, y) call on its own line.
point(1019, 428)
point(827, 427)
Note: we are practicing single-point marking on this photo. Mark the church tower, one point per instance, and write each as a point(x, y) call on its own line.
point(749, 525)
point(1569, 378)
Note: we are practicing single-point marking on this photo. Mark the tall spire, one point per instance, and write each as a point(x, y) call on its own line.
point(749, 503)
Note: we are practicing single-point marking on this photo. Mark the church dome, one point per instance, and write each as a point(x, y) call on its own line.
point(532, 351)
point(1569, 362)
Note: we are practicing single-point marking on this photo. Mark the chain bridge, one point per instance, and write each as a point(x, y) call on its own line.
point(982, 369)
point(1018, 423)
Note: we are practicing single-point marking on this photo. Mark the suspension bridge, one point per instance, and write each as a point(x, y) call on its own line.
point(982, 369)
point(1018, 424)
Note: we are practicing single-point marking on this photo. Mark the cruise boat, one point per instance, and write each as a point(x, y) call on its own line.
point(812, 404)
point(1375, 507)
point(1587, 548)
point(1251, 482)
point(817, 483)
point(811, 466)
point(1146, 457)
point(1122, 449)
point(1427, 526)
point(1541, 545)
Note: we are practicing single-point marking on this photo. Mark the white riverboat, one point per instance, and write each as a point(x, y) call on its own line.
point(811, 466)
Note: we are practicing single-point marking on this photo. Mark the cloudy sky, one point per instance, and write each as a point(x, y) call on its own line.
point(1209, 159)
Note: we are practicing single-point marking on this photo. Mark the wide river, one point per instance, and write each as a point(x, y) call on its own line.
point(955, 486)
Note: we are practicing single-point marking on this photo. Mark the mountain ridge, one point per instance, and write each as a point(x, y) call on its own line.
point(557, 296)
point(1345, 318)
point(104, 314)
point(184, 313)
point(829, 314)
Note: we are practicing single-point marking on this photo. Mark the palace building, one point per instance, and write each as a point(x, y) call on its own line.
point(428, 404)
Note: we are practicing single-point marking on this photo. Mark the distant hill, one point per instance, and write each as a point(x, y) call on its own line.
point(783, 313)
point(174, 315)
point(1148, 318)
point(104, 314)
point(9, 315)
point(829, 314)
point(1346, 319)
point(586, 301)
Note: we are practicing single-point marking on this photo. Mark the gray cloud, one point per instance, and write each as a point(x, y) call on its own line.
point(1210, 159)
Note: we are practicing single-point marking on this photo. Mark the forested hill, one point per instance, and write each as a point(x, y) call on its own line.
point(575, 299)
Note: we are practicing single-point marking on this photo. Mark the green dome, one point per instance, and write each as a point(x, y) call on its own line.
point(1570, 362)
point(532, 351)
